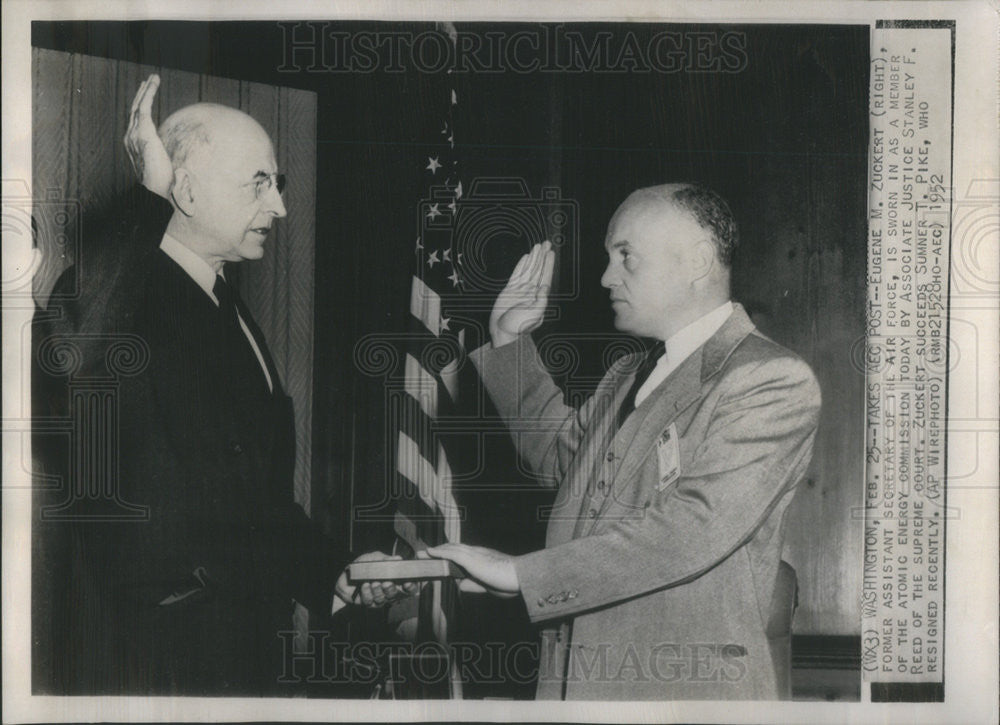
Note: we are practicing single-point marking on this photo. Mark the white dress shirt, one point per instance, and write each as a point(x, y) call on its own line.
point(202, 273)
point(681, 344)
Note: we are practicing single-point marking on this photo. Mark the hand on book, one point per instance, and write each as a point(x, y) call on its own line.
point(489, 570)
point(374, 594)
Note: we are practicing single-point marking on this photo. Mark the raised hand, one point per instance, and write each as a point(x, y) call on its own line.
point(520, 307)
point(145, 149)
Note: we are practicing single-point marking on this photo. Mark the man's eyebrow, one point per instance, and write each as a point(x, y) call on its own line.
point(619, 243)
point(261, 174)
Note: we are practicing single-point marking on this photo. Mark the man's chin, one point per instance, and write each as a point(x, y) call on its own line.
point(621, 323)
point(252, 248)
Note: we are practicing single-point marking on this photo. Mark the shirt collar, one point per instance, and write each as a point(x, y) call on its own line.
point(197, 268)
point(688, 339)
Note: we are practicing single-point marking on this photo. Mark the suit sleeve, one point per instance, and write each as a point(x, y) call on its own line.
point(546, 431)
point(111, 275)
point(757, 445)
point(313, 562)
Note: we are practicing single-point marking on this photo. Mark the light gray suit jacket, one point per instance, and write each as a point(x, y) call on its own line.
point(656, 580)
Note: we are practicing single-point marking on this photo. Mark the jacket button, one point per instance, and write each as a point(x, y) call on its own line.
point(541, 602)
point(237, 448)
point(592, 513)
point(601, 484)
point(611, 455)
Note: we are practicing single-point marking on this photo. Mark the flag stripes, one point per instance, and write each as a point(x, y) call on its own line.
point(425, 305)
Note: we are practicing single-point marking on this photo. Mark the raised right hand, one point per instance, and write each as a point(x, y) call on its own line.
point(520, 307)
point(145, 149)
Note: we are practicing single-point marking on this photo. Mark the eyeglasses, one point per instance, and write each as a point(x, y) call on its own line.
point(265, 182)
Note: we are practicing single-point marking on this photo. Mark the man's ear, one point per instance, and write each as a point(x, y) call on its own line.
point(703, 259)
point(182, 193)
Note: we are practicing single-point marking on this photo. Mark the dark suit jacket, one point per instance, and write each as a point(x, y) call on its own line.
point(192, 599)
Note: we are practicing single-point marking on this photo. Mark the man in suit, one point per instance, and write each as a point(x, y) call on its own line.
point(663, 545)
point(196, 599)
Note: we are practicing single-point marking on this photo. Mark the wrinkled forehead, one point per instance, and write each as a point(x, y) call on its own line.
point(240, 147)
point(638, 216)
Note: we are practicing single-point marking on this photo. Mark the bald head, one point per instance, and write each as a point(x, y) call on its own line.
point(709, 210)
point(226, 189)
point(202, 127)
point(669, 249)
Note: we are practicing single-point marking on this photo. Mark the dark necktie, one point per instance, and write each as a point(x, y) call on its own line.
point(641, 376)
point(241, 358)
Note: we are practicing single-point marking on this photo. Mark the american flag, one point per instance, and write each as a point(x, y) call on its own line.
point(426, 512)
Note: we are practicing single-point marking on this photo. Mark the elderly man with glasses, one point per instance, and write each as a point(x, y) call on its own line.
point(197, 598)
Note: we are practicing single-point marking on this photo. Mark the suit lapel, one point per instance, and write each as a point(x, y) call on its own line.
point(640, 431)
point(685, 385)
point(258, 337)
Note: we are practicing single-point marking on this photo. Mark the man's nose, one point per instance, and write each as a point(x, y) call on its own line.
point(608, 278)
point(274, 204)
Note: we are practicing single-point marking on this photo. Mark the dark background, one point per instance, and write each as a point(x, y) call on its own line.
point(784, 140)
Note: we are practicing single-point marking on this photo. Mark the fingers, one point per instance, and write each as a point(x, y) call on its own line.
point(548, 265)
point(471, 586)
point(373, 594)
point(378, 594)
point(135, 101)
point(534, 266)
point(148, 94)
point(522, 272)
point(451, 552)
point(370, 597)
point(465, 556)
point(378, 556)
point(142, 104)
point(522, 263)
point(443, 551)
point(140, 115)
point(539, 278)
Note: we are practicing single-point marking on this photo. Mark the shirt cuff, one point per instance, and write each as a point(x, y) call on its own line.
point(338, 604)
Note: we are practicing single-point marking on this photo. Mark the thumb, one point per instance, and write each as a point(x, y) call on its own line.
point(471, 586)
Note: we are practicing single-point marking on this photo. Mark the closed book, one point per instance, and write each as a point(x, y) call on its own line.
point(405, 570)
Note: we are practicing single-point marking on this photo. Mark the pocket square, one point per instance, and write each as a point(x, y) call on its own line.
point(199, 583)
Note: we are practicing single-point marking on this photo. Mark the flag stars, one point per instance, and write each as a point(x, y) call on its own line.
point(432, 259)
point(433, 212)
point(433, 164)
point(455, 280)
point(419, 244)
point(446, 256)
point(444, 323)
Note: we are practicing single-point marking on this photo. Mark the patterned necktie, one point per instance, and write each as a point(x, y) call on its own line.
point(242, 359)
point(641, 376)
